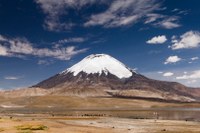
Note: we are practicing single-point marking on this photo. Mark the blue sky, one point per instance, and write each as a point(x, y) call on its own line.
point(39, 38)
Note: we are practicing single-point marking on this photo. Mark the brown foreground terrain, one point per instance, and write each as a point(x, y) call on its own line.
point(95, 125)
point(65, 114)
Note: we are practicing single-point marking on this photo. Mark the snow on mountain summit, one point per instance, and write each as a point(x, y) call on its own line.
point(99, 63)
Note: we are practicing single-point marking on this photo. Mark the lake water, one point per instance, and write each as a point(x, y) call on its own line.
point(189, 114)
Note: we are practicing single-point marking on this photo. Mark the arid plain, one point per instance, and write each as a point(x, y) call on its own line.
point(53, 114)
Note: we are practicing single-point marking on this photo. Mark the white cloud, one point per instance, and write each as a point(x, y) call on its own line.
point(194, 58)
point(157, 40)
point(11, 78)
point(3, 51)
point(190, 39)
point(172, 59)
point(168, 74)
point(193, 75)
point(18, 47)
point(192, 82)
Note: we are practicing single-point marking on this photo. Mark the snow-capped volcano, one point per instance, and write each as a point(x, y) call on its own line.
point(100, 63)
point(103, 75)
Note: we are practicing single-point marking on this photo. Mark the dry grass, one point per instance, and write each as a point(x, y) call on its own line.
point(1, 129)
point(25, 131)
point(31, 127)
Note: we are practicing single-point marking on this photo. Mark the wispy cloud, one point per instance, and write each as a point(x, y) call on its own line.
point(172, 59)
point(179, 11)
point(153, 17)
point(169, 23)
point(117, 13)
point(123, 13)
point(55, 9)
point(193, 60)
point(157, 40)
point(160, 72)
point(97, 41)
point(17, 47)
point(45, 62)
point(11, 78)
point(73, 40)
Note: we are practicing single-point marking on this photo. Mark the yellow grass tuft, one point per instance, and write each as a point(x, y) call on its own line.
point(28, 131)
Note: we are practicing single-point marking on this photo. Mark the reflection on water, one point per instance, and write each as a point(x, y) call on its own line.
point(169, 114)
